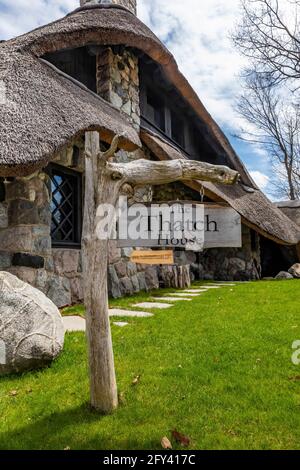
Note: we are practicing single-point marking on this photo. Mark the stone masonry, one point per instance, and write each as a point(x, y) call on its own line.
point(129, 4)
point(118, 81)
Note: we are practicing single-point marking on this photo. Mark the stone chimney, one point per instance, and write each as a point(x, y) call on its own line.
point(129, 4)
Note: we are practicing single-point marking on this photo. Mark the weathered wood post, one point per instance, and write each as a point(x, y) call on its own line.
point(104, 180)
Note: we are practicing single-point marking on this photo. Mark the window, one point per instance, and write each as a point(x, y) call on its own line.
point(66, 189)
point(156, 110)
point(2, 190)
point(177, 129)
point(77, 63)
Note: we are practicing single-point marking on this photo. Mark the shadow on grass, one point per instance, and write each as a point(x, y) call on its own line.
point(80, 428)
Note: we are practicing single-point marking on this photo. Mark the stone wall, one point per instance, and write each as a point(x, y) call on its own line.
point(129, 4)
point(224, 264)
point(118, 80)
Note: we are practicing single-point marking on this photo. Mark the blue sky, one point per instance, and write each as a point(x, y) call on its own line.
point(198, 34)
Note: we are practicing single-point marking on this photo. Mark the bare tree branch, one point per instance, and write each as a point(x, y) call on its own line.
point(143, 172)
point(275, 125)
point(270, 38)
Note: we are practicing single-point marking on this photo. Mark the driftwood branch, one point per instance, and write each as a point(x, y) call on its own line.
point(142, 172)
point(105, 180)
point(112, 149)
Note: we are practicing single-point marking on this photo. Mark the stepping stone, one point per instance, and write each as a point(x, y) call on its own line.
point(185, 294)
point(194, 291)
point(151, 305)
point(173, 299)
point(222, 285)
point(116, 312)
point(121, 324)
point(72, 324)
point(212, 287)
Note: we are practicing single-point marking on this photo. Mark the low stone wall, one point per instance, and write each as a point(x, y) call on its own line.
point(225, 264)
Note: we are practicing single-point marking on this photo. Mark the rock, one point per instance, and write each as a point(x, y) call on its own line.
point(142, 281)
point(295, 270)
point(3, 216)
point(59, 291)
point(126, 286)
point(77, 289)
point(66, 262)
point(135, 284)
point(151, 277)
point(27, 260)
point(31, 327)
point(121, 269)
point(114, 290)
point(5, 260)
point(114, 253)
point(23, 212)
point(131, 269)
point(284, 275)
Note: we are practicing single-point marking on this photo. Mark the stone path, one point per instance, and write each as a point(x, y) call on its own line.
point(172, 299)
point(117, 312)
point(194, 291)
point(184, 294)
point(121, 324)
point(152, 305)
point(75, 323)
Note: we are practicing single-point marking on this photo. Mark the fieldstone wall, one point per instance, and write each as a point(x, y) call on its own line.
point(25, 235)
point(118, 80)
point(129, 4)
point(224, 264)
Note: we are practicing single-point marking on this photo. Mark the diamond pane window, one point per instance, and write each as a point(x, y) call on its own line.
point(66, 190)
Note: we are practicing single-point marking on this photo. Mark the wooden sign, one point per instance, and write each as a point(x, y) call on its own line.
point(221, 227)
point(152, 257)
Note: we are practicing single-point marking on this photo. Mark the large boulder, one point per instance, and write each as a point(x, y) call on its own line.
point(295, 270)
point(284, 275)
point(31, 327)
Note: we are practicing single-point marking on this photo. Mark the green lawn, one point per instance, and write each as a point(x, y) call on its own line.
point(217, 369)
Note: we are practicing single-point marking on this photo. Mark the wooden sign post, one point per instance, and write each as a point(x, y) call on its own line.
point(104, 182)
point(221, 225)
point(152, 257)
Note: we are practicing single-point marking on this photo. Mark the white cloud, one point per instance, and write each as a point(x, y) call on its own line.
point(260, 179)
point(198, 34)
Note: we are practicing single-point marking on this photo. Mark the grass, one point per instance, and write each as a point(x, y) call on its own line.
point(217, 369)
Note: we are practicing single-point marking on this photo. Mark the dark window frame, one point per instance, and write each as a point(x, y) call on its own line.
point(76, 179)
point(148, 89)
point(2, 190)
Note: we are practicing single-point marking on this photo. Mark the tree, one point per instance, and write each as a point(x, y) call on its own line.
point(269, 36)
point(104, 182)
point(274, 124)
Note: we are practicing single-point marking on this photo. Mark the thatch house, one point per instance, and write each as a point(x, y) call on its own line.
point(100, 68)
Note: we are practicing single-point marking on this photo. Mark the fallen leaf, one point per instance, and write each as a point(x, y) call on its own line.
point(13, 393)
point(295, 379)
point(165, 443)
point(136, 380)
point(181, 439)
point(122, 398)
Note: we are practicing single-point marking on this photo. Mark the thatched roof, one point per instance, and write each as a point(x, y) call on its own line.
point(45, 110)
point(108, 25)
point(255, 208)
